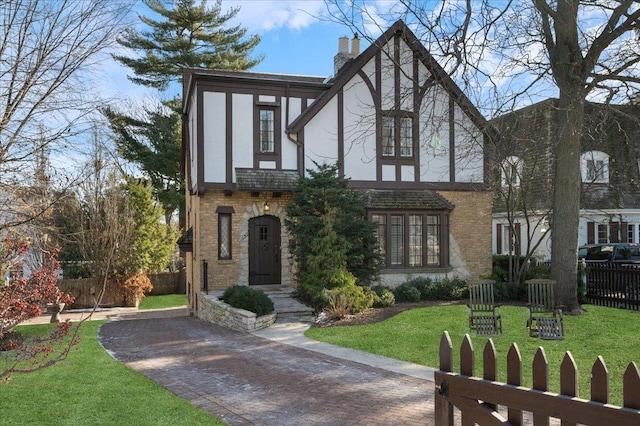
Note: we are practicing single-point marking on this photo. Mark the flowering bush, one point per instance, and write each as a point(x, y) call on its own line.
point(22, 298)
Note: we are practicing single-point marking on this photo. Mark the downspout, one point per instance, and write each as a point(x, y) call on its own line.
point(295, 141)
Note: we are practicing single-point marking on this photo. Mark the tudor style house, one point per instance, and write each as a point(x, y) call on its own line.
point(609, 166)
point(394, 121)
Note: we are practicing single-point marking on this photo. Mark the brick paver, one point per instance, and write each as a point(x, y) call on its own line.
point(243, 379)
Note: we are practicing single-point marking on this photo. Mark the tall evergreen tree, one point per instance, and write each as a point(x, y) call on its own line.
point(328, 222)
point(190, 35)
point(154, 144)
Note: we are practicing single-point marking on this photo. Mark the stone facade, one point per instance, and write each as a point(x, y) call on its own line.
point(225, 273)
point(470, 233)
point(213, 310)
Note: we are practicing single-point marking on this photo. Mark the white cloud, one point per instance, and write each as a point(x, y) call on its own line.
point(267, 15)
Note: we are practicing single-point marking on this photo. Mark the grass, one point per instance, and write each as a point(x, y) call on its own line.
point(164, 301)
point(90, 387)
point(414, 336)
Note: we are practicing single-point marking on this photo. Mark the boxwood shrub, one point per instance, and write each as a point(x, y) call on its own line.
point(247, 298)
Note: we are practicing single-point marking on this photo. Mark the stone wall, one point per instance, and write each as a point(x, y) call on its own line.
point(213, 310)
point(225, 273)
point(470, 232)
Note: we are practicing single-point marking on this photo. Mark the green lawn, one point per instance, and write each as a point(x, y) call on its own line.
point(92, 388)
point(164, 301)
point(414, 336)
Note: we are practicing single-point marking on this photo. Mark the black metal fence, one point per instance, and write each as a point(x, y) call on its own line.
point(614, 285)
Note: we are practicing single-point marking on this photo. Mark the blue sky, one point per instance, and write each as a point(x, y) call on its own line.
point(297, 38)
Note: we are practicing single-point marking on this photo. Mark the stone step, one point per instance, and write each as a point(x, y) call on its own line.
point(288, 308)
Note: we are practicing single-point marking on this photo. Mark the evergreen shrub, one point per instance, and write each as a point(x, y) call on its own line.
point(383, 297)
point(250, 299)
point(406, 293)
point(357, 298)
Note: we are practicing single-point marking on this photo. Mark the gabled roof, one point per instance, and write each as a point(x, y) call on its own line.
point(350, 69)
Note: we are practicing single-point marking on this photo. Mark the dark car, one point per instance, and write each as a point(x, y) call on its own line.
point(610, 253)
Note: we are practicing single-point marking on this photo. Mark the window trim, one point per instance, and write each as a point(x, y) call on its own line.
point(269, 156)
point(601, 173)
point(387, 252)
point(512, 163)
point(396, 119)
point(225, 212)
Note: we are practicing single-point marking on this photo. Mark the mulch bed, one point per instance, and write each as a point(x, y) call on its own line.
point(374, 315)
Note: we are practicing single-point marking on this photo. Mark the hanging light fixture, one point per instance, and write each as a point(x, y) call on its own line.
point(266, 206)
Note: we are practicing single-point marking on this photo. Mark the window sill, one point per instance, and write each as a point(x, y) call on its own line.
point(430, 269)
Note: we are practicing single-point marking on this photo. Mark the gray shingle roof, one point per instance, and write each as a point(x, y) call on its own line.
point(266, 180)
point(406, 200)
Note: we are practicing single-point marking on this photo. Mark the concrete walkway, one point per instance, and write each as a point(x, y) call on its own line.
point(273, 377)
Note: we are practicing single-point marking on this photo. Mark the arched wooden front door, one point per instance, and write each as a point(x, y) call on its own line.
point(264, 250)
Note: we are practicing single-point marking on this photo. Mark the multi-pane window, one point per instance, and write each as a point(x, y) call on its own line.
point(603, 233)
point(410, 240)
point(396, 144)
point(415, 240)
point(511, 170)
point(433, 240)
point(397, 240)
point(406, 137)
point(380, 232)
point(267, 130)
point(595, 167)
point(388, 137)
point(224, 236)
point(595, 170)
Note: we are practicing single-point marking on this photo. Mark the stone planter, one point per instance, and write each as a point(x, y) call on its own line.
point(215, 311)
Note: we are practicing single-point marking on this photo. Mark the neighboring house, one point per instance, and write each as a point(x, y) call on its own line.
point(400, 129)
point(609, 167)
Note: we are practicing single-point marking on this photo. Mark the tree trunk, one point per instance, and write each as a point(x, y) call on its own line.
point(566, 199)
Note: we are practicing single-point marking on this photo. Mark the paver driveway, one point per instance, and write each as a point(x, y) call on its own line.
point(244, 379)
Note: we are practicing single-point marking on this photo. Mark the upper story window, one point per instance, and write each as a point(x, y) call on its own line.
point(397, 144)
point(267, 131)
point(595, 167)
point(511, 170)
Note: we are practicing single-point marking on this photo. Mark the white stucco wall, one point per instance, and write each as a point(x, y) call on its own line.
point(320, 137)
point(242, 131)
point(214, 126)
point(434, 136)
point(359, 131)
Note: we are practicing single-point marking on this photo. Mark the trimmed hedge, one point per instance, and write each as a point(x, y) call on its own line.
point(247, 298)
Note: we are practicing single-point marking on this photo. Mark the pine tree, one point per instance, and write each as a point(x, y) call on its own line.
point(154, 144)
point(189, 36)
point(328, 222)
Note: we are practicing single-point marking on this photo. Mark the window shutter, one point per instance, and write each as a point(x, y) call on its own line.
point(498, 238)
point(591, 233)
point(614, 232)
point(516, 238)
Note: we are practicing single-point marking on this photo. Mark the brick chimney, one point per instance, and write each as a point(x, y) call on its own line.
point(343, 56)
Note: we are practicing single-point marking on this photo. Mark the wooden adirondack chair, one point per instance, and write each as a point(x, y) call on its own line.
point(485, 317)
point(545, 317)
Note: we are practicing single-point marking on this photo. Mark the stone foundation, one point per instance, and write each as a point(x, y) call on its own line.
point(215, 311)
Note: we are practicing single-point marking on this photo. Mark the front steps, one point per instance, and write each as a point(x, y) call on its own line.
point(288, 308)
